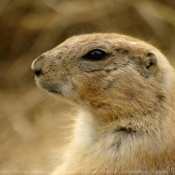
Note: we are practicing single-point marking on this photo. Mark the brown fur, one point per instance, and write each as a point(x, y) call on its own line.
point(126, 122)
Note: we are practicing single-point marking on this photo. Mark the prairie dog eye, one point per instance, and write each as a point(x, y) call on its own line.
point(95, 55)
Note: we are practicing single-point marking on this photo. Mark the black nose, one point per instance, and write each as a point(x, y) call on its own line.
point(37, 72)
point(37, 65)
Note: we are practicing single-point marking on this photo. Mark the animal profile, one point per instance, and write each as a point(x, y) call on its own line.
point(124, 92)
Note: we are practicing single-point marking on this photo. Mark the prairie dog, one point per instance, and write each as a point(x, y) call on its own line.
point(124, 90)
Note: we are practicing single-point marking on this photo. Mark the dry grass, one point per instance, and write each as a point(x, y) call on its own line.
point(32, 124)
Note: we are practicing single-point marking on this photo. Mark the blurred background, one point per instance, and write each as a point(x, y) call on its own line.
point(32, 124)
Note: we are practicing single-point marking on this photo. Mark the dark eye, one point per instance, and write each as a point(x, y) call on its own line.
point(95, 55)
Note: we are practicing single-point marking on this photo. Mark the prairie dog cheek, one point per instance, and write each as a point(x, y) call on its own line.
point(67, 89)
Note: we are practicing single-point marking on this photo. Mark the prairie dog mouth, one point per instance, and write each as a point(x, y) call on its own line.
point(53, 88)
point(53, 91)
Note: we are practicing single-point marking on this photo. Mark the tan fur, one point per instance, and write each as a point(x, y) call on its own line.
point(126, 118)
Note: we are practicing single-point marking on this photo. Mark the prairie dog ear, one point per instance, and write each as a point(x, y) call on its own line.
point(150, 60)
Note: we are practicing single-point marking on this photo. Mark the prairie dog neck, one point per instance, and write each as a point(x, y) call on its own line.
point(92, 142)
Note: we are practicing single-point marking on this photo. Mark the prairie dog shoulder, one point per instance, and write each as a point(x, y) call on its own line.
point(124, 90)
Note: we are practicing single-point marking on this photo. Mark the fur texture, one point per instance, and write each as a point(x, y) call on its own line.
point(126, 104)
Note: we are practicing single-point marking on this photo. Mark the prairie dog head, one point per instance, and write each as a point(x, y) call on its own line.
point(112, 75)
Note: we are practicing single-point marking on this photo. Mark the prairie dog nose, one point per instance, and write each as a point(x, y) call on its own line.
point(37, 65)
